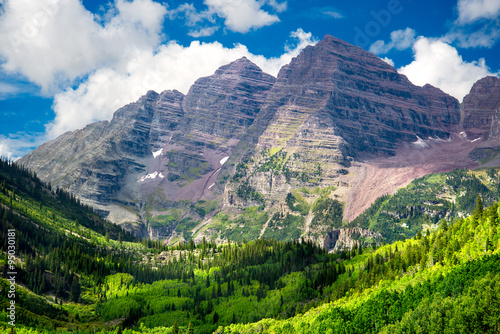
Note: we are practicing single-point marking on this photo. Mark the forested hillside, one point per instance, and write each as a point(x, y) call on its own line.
point(442, 282)
point(78, 273)
point(427, 200)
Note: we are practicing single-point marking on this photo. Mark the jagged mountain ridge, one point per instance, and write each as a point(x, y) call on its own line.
point(165, 140)
point(321, 123)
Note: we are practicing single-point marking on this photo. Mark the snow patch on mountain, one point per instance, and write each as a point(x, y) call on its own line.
point(157, 153)
point(151, 176)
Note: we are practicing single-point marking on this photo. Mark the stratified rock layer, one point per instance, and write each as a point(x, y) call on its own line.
point(361, 98)
point(167, 144)
point(333, 104)
point(482, 109)
point(334, 116)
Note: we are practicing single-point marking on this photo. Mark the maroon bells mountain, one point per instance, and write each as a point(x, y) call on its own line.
point(229, 158)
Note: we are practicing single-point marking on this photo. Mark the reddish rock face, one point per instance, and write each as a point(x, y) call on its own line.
point(226, 103)
point(481, 106)
point(362, 99)
point(333, 106)
point(373, 107)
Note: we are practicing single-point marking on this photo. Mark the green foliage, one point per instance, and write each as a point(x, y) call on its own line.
point(75, 291)
point(203, 207)
point(274, 161)
point(327, 212)
point(17, 181)
point(247, 192)
point(297, 203)
point(246, 226)
point(445, 281)
point(285, 228)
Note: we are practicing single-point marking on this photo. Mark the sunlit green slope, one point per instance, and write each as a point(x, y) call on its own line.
point(85, 276)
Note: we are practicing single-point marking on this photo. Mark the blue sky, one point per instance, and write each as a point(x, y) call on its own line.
point(66, 63)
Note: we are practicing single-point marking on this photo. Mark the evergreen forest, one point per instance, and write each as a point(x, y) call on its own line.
point(75, 272)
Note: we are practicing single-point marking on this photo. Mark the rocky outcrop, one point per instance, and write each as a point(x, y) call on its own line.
point(224, 105)
point(361, 98)
point(346, 238)
point(482, 109)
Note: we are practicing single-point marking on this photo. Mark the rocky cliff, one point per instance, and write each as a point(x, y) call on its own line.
point(294, 156)
point(481, 109)
point(333, 106)
point(160, 150)
point(347, 238)
point(359, 98)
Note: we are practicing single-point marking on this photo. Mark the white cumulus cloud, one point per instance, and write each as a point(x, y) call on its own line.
point(473, 10)
point(440, 65)
point(243, 15)
point(93, 64)
point(5, 148)
point(16, 145)
point(54, 42)
point(388, 61)
point(400, 40)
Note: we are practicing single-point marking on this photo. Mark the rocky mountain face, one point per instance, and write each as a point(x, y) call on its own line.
point(359, 98)
point(481, 121)
point(346, 238)
point(332, 106)
point(163, 148)
point(298, 147)
point(482, 108)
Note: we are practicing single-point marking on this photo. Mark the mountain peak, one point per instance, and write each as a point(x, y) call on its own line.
point(485, 84)
point(481, 106)
point(484, 89)
point(339, 46)
point(239, 66)
point(329, 39)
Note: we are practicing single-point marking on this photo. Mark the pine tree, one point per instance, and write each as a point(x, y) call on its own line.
point(175, 328)
point(215, 318)
point(478, 211)
point(75, 291)
point(210, 306)
point(444, 225)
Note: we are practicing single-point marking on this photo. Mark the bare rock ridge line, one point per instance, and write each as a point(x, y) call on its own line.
point(102, 163)
point(337, 117)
